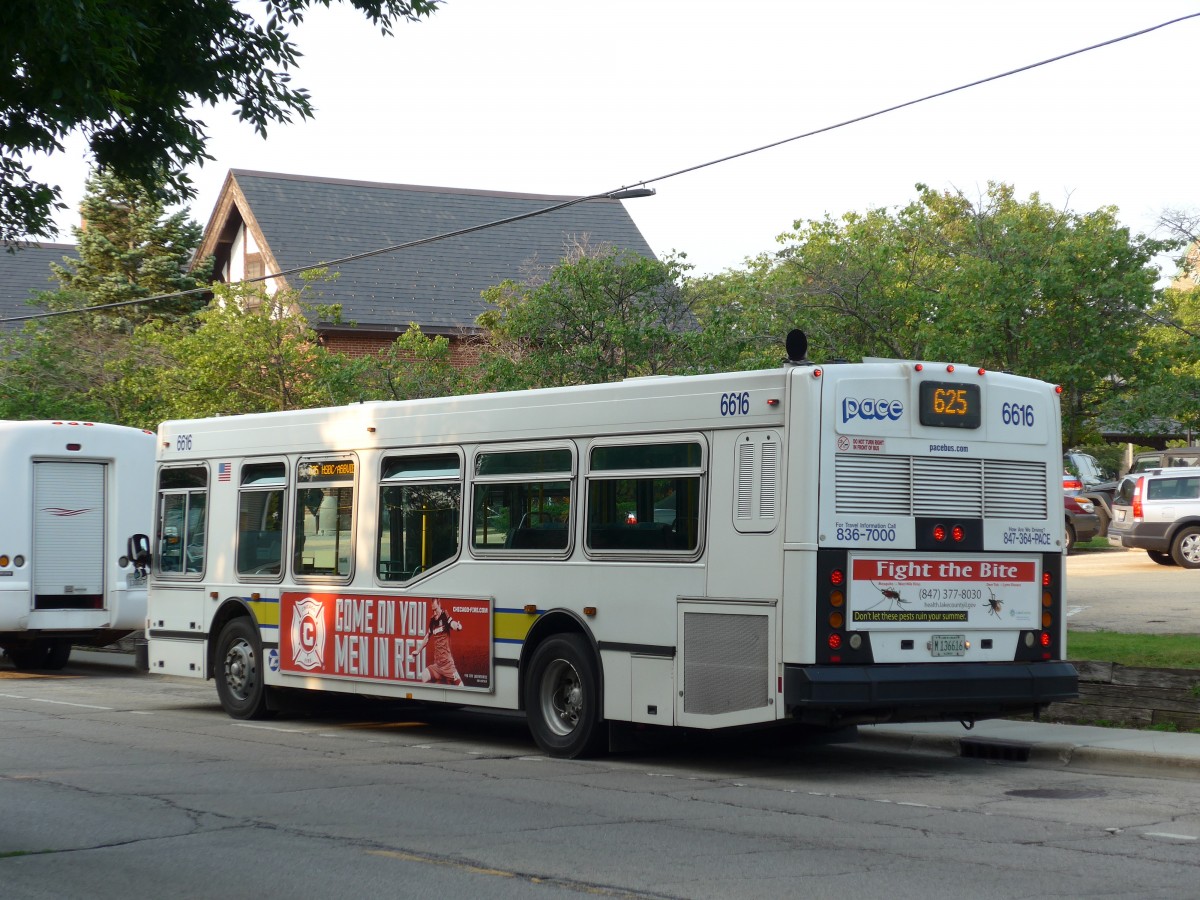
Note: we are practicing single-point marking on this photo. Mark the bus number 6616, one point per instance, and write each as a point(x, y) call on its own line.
point(735, 404)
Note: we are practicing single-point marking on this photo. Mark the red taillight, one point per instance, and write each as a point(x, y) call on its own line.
point(1137, 497)
point(1045, 638)
point(836, 577)
point(1072, 484)
point(835, 641)
point(1045, 579)
point(958, 533)
point(939, 533)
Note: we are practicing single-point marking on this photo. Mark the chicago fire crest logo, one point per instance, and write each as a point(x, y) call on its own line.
point(308, 634)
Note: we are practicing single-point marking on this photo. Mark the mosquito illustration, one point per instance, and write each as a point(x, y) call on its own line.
point(995, 605)
point(890, 596)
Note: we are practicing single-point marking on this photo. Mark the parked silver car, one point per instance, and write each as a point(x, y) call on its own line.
point(1159, 511)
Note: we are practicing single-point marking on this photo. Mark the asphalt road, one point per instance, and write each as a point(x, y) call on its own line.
point(1123, 590)
point(119, 785)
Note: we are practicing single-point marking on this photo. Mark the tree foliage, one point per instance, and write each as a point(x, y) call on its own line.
point(412, 367)
point(998, 282)
point(599, 315)
point(1161, 390)
point(246, 352)
point(128, 248)
point(130, 75)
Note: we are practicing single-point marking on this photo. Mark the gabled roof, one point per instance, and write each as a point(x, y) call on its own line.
point(23, 272)
point(302, 221)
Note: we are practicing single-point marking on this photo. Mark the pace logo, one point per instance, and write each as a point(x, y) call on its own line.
point(308, 634)
point(868, 408)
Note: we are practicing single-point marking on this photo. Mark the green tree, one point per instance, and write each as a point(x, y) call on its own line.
point(1040, 291)
point(247, 352)
point(1000, 282)
point(599, 315)
point(1161, 390)
point(413, 366)
point(128, 248)
point(129, 74)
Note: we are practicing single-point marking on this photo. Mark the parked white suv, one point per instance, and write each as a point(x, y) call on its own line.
point(1159, 511)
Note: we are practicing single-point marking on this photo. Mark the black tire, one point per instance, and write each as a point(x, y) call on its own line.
point(1185, 548)
point(27, 656)
point(238, 671)
point(1069, 540)
point(562, 698)
point(42, 654)
point(1163, 559)
point(58, 653)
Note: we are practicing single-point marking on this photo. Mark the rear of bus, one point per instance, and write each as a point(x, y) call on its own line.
point(938, 538)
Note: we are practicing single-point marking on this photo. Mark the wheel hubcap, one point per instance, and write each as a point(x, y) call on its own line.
point(1189, 548)
point(239, 669)
point(562, 697)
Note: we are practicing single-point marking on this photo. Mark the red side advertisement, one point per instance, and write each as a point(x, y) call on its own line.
point(400, 640)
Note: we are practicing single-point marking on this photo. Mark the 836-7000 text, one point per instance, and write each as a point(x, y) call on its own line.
point(870, 533)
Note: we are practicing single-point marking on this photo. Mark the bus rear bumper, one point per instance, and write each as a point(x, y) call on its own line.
point(909, 693)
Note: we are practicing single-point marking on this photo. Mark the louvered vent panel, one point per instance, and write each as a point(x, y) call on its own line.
point(769, 486)
point(1014, 489)
point(873, 484)
point(725, 663)
point(921, 486)
point(745, 480)
point(947, 487)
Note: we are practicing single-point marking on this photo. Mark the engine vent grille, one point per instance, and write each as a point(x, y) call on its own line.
point(725, 662)
point(925, 486)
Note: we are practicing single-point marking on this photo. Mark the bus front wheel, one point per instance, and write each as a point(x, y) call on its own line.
point(562, 697)
point(239, 673)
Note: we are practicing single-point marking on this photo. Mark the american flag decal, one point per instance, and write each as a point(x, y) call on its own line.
point(224, 471)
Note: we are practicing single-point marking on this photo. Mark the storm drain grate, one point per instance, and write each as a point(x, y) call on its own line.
point(992, 748)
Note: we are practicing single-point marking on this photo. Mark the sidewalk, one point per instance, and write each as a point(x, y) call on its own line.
point(1082, 747)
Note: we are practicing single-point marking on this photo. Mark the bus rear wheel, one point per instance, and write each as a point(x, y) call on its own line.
point(239, 673)
point(562, 698)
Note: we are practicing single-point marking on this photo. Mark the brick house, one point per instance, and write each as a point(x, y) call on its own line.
point(266, 222)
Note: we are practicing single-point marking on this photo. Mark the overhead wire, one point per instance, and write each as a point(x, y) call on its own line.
point(607, 194)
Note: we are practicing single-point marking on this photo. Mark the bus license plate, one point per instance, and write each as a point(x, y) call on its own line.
point(948, 645)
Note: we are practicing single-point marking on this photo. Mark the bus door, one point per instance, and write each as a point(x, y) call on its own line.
point(68, 535)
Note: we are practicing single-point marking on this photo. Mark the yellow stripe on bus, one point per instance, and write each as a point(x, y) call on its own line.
point(512, 626)
point(266, 612)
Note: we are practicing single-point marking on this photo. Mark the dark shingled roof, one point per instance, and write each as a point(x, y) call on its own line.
point(309, 220)
point(24, 271)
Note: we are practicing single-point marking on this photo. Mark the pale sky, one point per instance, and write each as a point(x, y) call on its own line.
point(573, 97)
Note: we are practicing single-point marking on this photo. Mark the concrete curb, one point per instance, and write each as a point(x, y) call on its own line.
point(1050, 754)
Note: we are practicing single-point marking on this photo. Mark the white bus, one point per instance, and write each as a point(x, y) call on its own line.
point(830, 545)
point(75, 495)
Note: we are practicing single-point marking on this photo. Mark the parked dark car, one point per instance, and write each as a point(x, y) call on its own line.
point(1084, 477)
point(1082, 522)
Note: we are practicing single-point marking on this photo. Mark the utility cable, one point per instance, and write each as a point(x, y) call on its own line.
point(618, 193)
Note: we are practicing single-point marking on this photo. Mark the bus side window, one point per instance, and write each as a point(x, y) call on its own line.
point(260, 520)
point(420, 507)
point(324, 517)
point(522, 501)
point(182, 520)
point(635, 506)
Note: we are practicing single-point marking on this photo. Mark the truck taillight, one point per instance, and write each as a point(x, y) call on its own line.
point(1137, 497)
